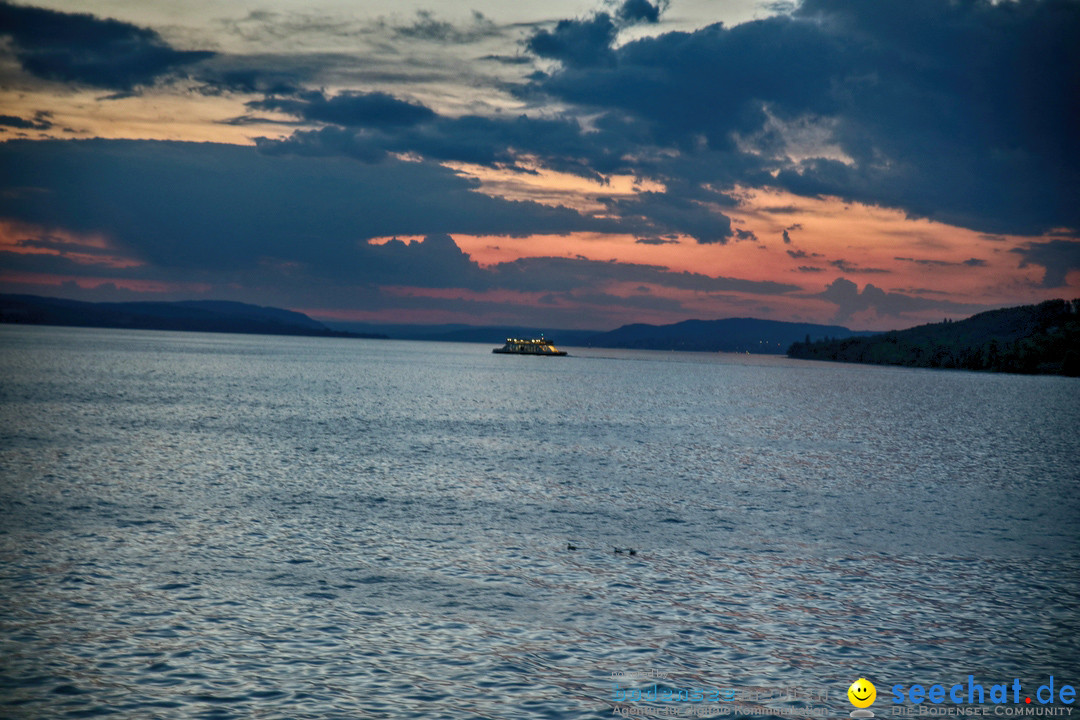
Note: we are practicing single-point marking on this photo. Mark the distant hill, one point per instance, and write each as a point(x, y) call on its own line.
point(1042, 338)
point(495, 334)
point(194, 316)
point(730, 335)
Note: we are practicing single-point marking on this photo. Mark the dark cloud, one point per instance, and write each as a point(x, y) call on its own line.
point(704, 85)
point(970, 262)
point(40, 122)
point(1057, 257)
point(745, 235)
point(435, 262)
point(849, 300)
point(797, 254)
point(83, 49)
point(639, 11)
point(587, 42)
point(87, 253)
point(491, 142)
point(224, 207)
point(348, 109)
point(809, 269)
point(252, 75)
point(780, 6)
point(222, 213)
point(509, 59)
point(925, 261)
point(328, 141)
point(577, 43)
point(962, 112)
point(975, 104)
point(497, 143)
point(789, 229)
point(241, 120)
point(847, 267)
point(672, 212)
point(559, 141)
point(293, 74)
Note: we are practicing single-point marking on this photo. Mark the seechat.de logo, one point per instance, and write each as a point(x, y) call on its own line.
point(972, 698)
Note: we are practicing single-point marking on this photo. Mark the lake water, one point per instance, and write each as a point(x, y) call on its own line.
point(198, 525)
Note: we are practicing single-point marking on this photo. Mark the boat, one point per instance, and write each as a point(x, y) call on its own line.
point(531, 346)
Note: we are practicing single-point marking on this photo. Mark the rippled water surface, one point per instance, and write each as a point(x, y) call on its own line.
point(242, 526)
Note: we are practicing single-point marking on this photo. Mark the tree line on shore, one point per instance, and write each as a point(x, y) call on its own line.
point(1031, 339)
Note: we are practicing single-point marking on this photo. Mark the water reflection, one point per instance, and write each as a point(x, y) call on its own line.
point(230, 526)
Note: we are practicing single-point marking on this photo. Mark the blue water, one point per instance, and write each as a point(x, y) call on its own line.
point(197, 525)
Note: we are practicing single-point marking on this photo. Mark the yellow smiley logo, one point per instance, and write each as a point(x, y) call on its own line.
point(862, 693)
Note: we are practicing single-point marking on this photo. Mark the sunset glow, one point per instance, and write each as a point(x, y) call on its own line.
point(567, 166)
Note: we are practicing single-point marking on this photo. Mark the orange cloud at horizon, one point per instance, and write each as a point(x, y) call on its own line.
point(173, 113)
point(19, 238)
point(33, 279)
point(825, 238)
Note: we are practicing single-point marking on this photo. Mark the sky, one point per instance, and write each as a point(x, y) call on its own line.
point(561, 164)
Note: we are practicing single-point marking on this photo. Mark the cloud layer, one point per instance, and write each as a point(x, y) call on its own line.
point(963, 112)
point(83, 49)
point(960, 112)
point(218, 211)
